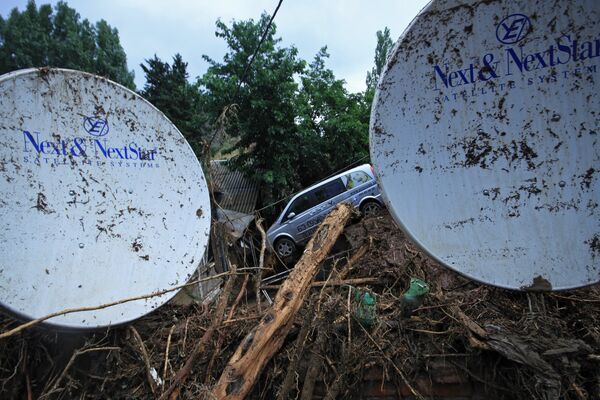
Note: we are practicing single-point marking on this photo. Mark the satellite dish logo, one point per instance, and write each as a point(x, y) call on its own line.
point(513, 28)
point(95, 126)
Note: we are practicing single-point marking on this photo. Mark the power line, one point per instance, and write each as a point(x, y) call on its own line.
point(262, 39)
point(242, 80)
point(327, 177)
point(295, 193)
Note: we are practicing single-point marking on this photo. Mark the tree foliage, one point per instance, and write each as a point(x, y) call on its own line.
point(384, 46)
point(168, 88)
point(38, 37)
point(296, 123)
point(333, 123)
point(268, 139)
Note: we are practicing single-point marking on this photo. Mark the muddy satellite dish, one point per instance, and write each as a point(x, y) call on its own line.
point(484, 135)
point(101, 198)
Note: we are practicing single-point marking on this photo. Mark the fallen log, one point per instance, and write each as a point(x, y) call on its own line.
point(262, 342)
point(323, 327)
point(261, 262)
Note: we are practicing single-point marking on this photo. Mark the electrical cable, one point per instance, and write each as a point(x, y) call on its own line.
point(295, 193)
point(316, 183)
point(243, 78)
point(262, 39)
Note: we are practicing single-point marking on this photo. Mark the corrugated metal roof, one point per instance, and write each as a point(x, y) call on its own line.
point(238, 193)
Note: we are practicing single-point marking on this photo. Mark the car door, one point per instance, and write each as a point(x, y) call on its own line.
point(326, 197)
point(296, 225)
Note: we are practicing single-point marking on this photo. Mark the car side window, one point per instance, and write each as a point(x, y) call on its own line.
point(301, 204)
point(329, 190)
point(355, 179)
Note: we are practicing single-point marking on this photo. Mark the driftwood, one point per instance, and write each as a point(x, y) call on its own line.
point(352, 282)
point(74, 356)
point(315, 360)
point(145, 358)
point(217, 350)
point(259, 346)
point(526, 351)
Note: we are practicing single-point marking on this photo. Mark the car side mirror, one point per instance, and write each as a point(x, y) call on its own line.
point(291, 215)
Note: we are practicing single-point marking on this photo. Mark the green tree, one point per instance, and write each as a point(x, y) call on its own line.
point(25, 37)
point(265, 93)
point(295, 123)
point(168, 88)
point(110, 59)
point(382, 49)
point(332, 122)
point(38, 37)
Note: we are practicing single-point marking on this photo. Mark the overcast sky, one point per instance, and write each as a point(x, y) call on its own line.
point(166, 27)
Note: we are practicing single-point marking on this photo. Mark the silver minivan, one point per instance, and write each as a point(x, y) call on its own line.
point(305, 211)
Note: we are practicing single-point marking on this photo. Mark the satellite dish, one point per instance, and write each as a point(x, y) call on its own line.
point(101, 198)
point(484, 136)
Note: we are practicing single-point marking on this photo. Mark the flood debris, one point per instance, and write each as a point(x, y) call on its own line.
point(266, 338)
point(462, 340)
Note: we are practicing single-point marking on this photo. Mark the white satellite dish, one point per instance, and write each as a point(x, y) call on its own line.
point(484, 136)
point(101, 198)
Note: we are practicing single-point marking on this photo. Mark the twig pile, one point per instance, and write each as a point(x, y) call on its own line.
point(466, 340)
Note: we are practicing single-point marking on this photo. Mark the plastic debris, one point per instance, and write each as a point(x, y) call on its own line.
point(413, 296)
point(364, 308)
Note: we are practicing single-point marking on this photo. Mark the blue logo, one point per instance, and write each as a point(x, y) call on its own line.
point(513, 28)
point(95, 126)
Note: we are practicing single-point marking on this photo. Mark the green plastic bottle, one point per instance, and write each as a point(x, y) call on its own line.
point(364, 309)
point(413, 296)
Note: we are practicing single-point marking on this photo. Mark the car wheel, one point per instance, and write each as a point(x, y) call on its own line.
point(285, 247)
point(370, 208)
